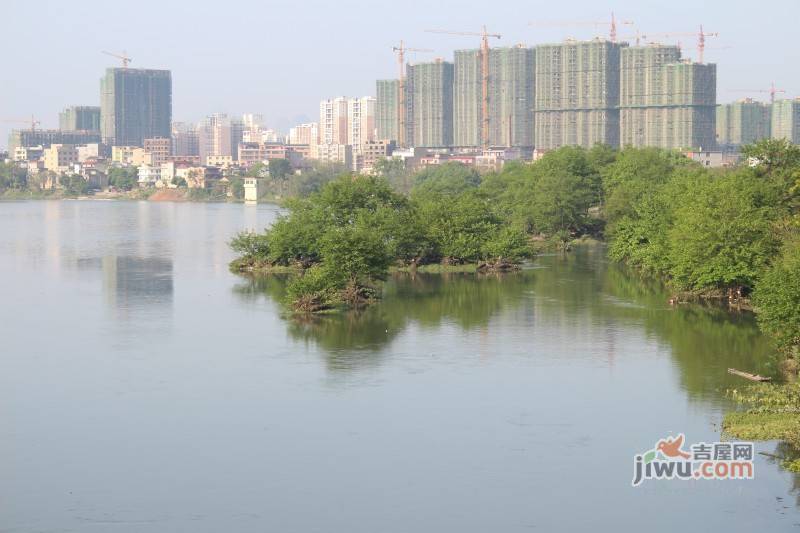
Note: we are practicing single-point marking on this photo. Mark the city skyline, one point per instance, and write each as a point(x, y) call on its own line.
point(743, 53)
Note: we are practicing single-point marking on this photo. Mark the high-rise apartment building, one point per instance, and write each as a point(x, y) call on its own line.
point(743, 122)
point(510, 97)
point(387, 123)
point(304, 134)
point(577, 94)
point(80, 118)
point(333, 121)
point(219, 135)
point(786, 120)
point(136, 104)
point(429, 91)
point(666, 102)
point(360, 121)
point(185, 140)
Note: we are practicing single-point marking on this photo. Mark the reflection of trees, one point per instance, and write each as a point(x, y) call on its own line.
point(704, 340)
point(562, 291)
point(784, 452)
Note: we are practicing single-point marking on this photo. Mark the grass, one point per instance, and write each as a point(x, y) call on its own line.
point(438, 268)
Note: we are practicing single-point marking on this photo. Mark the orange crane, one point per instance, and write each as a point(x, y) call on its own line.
point(401, 85)
point(612, 24)
point(123, 56)
point(772, 91)
point(701, 39)
point(32, 121)
point(484, 35)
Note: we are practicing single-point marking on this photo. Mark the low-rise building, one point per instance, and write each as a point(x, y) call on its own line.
point(199, 177)
point(223, 161)
point(131, 155)
point(28, 153)
point(252, 189)
point(159, 149)
point(333, 153)
point(372, 152)
point(715, 159)
point(59, 158)
point(149, 175)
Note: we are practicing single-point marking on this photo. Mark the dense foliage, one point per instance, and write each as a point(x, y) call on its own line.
point(709, 232)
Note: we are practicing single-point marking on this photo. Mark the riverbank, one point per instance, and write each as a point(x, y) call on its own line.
point(153, 195)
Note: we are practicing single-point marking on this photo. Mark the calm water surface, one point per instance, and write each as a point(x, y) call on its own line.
point(144, 388)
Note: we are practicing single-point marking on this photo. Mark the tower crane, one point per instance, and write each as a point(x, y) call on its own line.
point(772, 91)
point(401, 92)
point(123, 56)
point(701, 39)
point(612, 24)
point(32, 121)
point(484, 52)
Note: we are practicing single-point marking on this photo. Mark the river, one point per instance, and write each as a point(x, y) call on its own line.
point(145, 388)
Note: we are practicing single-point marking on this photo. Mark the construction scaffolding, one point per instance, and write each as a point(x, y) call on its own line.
point(666, 102)
point(577, 94)
point(743, 123)
point(786, 120)
point(386, 119)
point(429, 95)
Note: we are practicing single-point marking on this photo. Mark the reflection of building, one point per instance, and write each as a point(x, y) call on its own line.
point(135, 282)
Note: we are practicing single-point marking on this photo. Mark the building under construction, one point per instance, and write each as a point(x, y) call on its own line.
point(577, 94)
point(429, 95)
point(743, 122)
point(386, 107)
point(35, 137)
point(510, 97)
point(786, 120)
point(666, 102)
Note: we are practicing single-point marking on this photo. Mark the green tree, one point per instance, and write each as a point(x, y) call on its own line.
point(449, 179)
point(777, 298)
point(74, 184)
point(634, 174)
point(561, 203)
point(723, 232)
point(394, 171)
point(123, 178)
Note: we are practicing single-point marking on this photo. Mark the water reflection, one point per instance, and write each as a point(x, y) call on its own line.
point(575, 306)
point(133, 282)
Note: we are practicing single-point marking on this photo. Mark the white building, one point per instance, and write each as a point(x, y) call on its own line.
point(360, 121)
point(333, 121)
point(304, 134)
point(149, 175)
point(333, 153)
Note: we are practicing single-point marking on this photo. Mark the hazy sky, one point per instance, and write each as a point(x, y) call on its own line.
point(281, 58)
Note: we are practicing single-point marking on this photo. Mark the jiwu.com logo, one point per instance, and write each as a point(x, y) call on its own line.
point(716, 460)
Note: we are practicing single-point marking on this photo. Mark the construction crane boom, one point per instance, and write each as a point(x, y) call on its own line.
point(484, 52)
point(772, 91)
point(401, 93)
point(701, 39)
point(32, 121)
point(612, 24)
point(123, 57)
